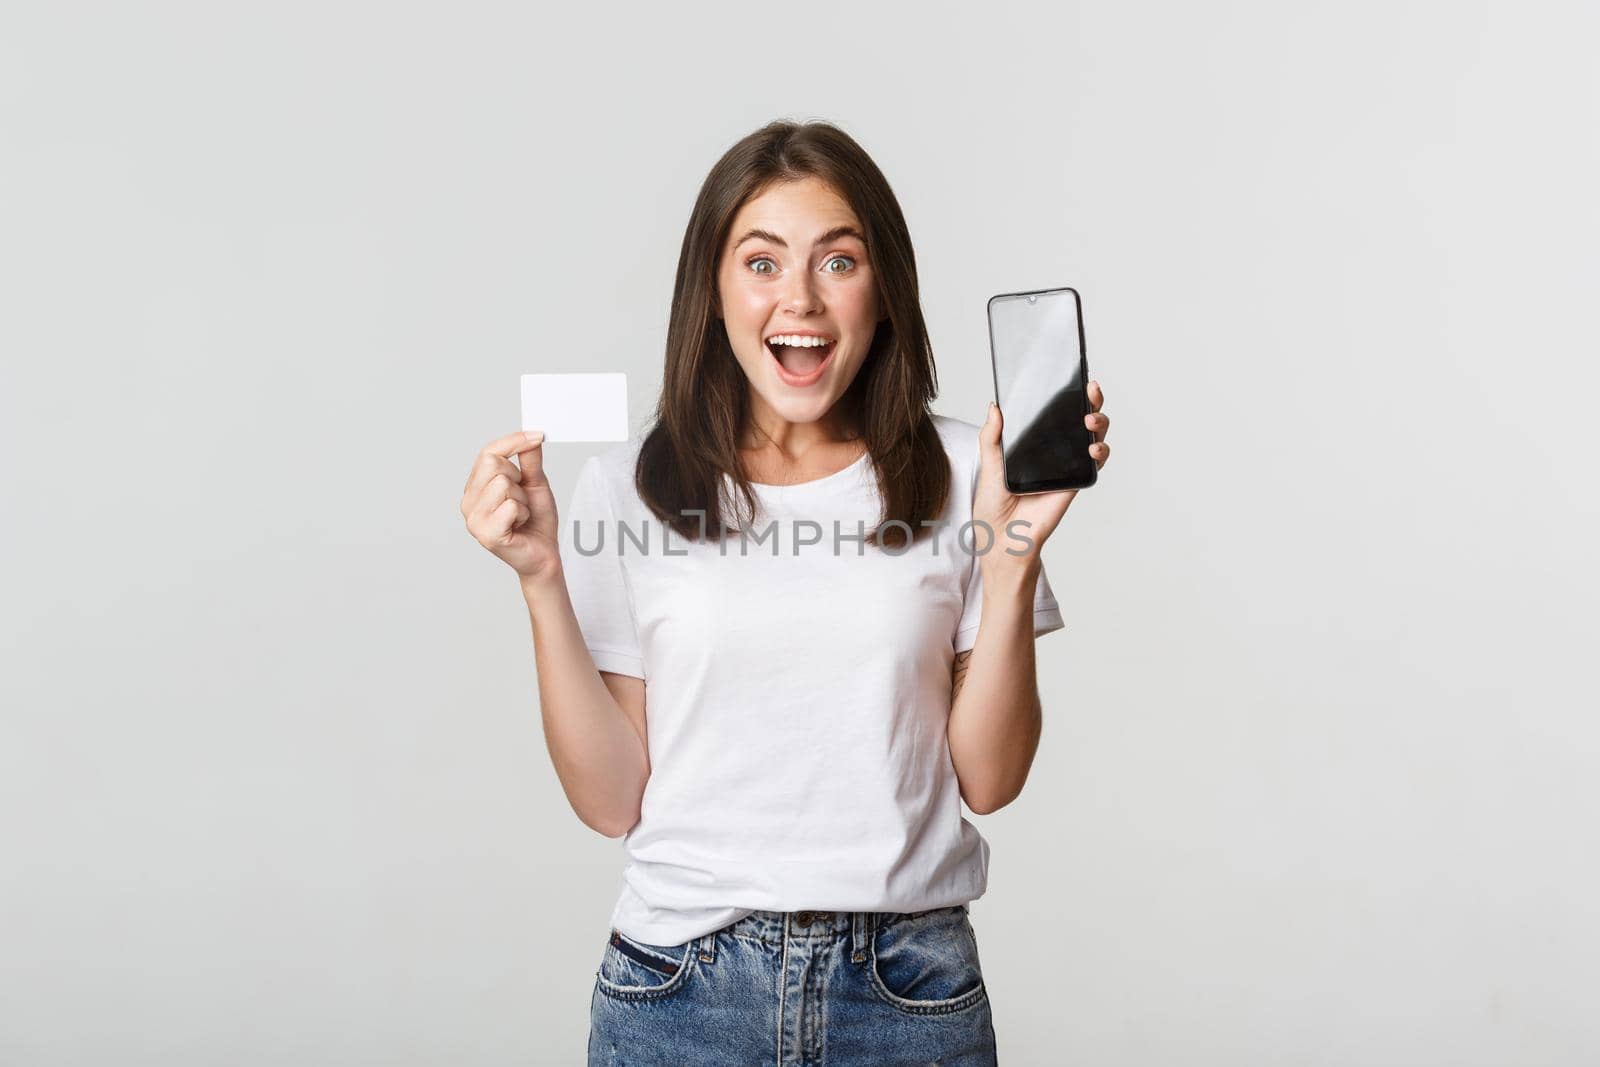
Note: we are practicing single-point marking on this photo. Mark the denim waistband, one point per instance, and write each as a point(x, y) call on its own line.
point(778, 926)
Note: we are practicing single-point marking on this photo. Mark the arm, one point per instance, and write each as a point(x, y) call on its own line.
point(995, 718)
point(594, 721)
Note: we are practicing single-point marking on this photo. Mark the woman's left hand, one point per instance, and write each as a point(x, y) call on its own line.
point(998, 506)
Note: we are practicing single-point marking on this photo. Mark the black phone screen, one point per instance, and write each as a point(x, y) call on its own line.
point(1041, 381)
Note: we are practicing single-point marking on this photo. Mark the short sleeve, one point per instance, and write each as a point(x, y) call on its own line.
point(1046, 612)
point(596, 580)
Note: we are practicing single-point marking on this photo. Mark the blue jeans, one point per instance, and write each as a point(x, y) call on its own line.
point(797, 989)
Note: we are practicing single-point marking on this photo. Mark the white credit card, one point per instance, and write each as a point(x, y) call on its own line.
point(576, 407)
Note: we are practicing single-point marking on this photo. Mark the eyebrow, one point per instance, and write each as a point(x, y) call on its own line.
point(832, 235)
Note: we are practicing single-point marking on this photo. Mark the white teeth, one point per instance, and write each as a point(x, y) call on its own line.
point(794, 341)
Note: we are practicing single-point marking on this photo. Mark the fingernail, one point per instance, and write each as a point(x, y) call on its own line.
point(534, 436)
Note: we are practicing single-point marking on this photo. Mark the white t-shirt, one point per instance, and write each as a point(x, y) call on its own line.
point(796, 702)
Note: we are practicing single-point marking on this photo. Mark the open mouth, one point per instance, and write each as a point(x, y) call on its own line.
point(801, 364)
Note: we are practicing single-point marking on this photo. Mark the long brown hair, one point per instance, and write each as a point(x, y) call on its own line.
point(704, 394)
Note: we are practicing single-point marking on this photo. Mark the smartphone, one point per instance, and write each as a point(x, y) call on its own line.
point(1041, 382)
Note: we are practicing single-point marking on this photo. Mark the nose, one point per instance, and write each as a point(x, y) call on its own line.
point(800, 296)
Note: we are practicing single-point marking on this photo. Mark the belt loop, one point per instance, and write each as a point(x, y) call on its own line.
point(708, 948)
point(860, 935)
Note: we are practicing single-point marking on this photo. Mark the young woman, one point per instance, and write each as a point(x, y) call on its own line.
point(758, 641)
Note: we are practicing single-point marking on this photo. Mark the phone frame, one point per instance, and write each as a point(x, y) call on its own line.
point(1083, 370)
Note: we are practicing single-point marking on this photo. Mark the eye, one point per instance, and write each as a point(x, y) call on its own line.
point(759, 259)
point(835, 259)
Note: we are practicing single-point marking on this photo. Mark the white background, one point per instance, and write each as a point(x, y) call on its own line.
point(1318, 777)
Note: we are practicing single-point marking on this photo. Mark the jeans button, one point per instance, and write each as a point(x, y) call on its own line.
point(802, 918)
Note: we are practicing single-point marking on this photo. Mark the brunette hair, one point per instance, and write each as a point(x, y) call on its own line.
point(704, 394)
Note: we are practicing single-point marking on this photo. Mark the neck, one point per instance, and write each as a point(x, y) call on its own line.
point(765, 429)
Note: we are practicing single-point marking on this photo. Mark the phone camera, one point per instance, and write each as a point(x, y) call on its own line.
point(1033, 300)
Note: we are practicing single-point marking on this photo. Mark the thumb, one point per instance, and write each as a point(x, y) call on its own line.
point(531, 459)
point(989, 438)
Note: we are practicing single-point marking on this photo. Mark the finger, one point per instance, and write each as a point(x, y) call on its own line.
point(502, 519)
point(513, 443)
point(1100, 452)
point(1099, 424)
point(481, 506)
point(501, 488)
point(1096, 397)
point(485, 526)
point(487, 466)
point(504, 447)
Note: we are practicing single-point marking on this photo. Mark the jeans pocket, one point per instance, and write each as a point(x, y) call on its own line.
point(634, 970)
point(926, 962)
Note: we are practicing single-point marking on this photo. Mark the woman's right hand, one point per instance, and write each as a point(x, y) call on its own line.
point(512, 510)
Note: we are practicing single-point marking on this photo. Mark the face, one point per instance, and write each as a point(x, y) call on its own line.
point(796, 263)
